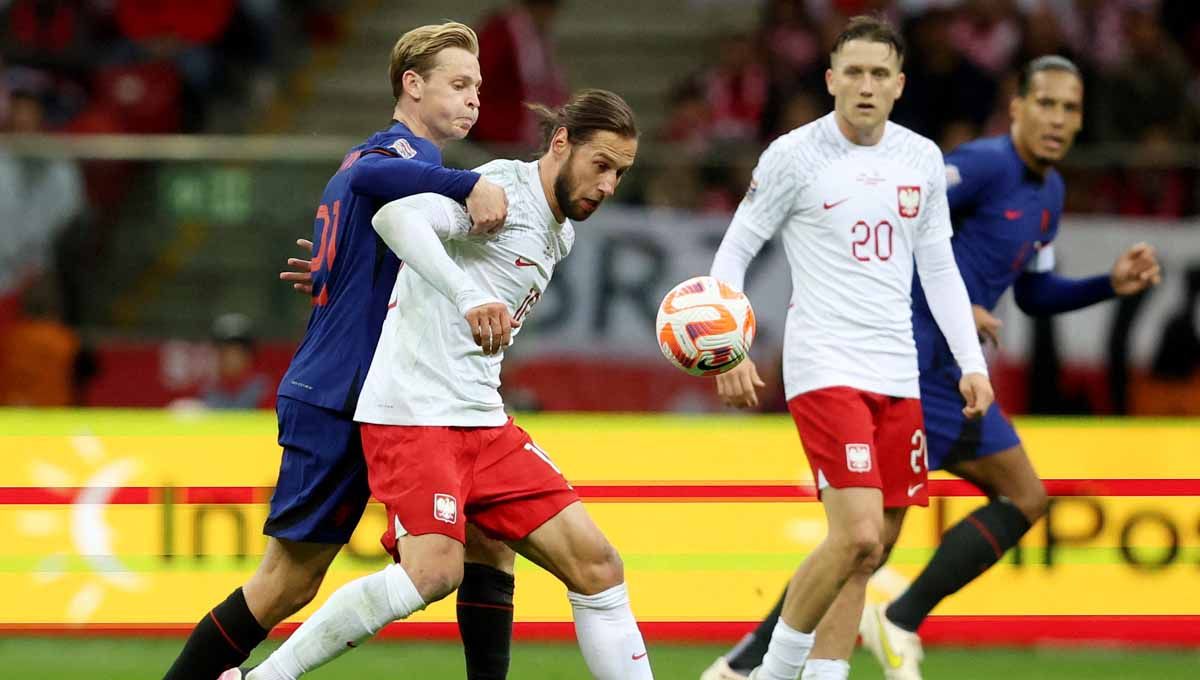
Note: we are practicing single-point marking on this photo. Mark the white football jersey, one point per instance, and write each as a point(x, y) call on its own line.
point(851, 217)
point(427, 369)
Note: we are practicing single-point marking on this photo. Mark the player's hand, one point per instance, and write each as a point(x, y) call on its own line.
point(976, 390)
point(491, 326)
point(1136, 270)
point(488, 207)
point(987, 325)
point(301, 278)
point(738, 387)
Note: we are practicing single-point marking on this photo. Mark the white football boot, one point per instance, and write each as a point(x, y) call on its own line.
point(898, 651)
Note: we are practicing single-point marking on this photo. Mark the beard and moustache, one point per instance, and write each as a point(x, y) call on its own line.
point(564, 188)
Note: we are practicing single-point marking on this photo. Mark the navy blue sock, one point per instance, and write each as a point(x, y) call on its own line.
point(967, 550)
point(221, 640)
point(485, 620)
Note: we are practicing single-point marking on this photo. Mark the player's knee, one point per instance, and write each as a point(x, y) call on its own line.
point(596, 571)
point(1032, 501)
point(435, 580)
point(494, 554)
point(304, 589)
point(280, 589)
point(860, 544)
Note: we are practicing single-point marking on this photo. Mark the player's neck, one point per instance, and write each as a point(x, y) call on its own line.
point(546, 176)
point(859, 136)
point(418, 127)
point(1032, 162)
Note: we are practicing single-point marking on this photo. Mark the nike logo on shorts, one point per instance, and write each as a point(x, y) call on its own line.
point(913, 489)
point(639, 657)
point(830, 206)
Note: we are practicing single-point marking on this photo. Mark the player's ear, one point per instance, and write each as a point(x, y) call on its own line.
point(829, 80)
point(559, 141)
point(414, 84)
point(900, 80)
point(1014, 108)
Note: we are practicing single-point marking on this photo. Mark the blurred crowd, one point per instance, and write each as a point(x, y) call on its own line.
point(111, 66)
point(1141, 60)
point(163, 66)
point(147, 66)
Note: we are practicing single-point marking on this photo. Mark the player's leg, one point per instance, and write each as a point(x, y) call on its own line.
point(319, 497)
point(837, 633)
point(846, 469)
point(853, 543)
point(430, 569)
point(572, 548)
point(485, 606)
point(520, 496)
point(825, 660)
point(1017, 499)
point(426, 532)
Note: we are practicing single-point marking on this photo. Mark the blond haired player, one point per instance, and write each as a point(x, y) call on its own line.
point(857, 199)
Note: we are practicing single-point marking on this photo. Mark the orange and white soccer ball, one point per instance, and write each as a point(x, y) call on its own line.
point(705, 327)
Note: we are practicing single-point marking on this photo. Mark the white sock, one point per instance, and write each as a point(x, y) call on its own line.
point(826, 669)
point(786, 653)
point(608, 635)
point(354, 612)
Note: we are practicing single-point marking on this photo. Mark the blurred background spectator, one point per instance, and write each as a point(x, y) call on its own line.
point(518, 64)
point(39, 197)
point(236, 381)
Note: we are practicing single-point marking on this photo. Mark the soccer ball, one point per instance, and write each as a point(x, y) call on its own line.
point(704, 326)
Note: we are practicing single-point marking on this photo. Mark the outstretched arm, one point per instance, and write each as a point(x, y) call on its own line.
point(384, 177)
point(1044, 293)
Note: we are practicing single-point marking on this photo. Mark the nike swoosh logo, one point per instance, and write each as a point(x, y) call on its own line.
point(912, 490)
point(830, 206)
point(639, 657)
point(1012, 215)
point(522, 262)
point(894, 660)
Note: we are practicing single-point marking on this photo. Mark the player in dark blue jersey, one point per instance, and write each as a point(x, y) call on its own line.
point(322, 488)
point(1006, 199)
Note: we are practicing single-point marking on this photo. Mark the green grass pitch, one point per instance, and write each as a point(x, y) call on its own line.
point(119, 659)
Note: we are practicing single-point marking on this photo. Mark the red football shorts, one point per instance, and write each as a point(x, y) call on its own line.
point(854, 438)
point(433, 480)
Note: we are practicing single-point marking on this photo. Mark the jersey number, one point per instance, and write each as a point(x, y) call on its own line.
point(537, 451)
point(863, 236)
point(919, 456)
point(527, 304)
point(326, 250)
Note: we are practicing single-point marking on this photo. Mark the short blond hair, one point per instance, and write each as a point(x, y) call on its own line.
point(417, 50)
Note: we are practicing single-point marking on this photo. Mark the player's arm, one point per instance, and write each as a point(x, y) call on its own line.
point(948, 300)
point(761, 214)
point(382, 176)
point(1041, 292)
point(414, 229)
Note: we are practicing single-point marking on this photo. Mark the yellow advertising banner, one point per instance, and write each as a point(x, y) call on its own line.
point(146, 519)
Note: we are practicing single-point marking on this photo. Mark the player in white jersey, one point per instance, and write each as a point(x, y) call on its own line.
point(856, 198)
point(440, 449)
